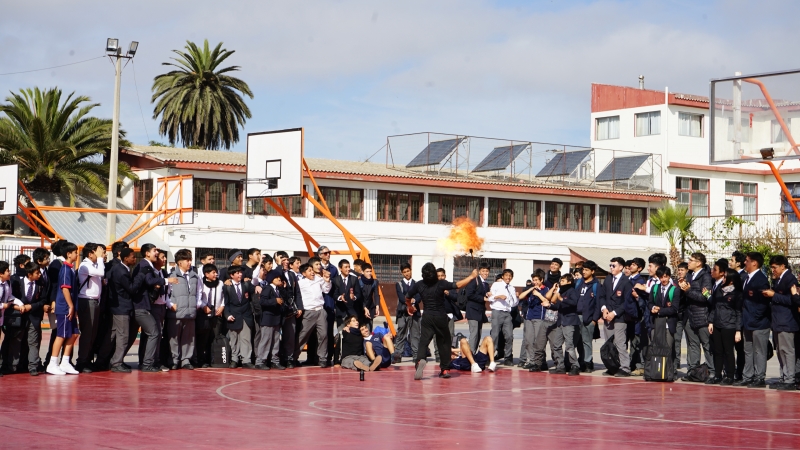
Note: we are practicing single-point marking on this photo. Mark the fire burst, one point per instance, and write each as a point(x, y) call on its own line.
point(463, 237)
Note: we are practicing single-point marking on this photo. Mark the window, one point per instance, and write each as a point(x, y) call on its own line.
point(142, 194)
point(749, 194)
point(463, 266)
point(690, 125)
point(745, 130)
point(343, 203)
point(692, 193)
point(568, 216)
point(445, 208)
point(400, 206)
point(294, 206)
point(607, 128)
point(217, 196)
point(653, 230)
point(387, 267)
point(777, 133)
point(513, 213)
point(220, 255)
point(622, 220)
point(648, 124)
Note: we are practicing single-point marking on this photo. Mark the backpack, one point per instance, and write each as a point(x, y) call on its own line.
point(659, 362)
point(699, 374)
point(610, 356)
point(461, 299)
point(220, 352)
point(654, 294)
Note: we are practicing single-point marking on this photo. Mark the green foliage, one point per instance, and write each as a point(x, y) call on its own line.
point(728, 232)
point(675, 223)
point(199, 104)
point(58, 146)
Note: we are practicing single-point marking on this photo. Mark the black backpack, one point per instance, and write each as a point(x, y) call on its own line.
point(699, 374)
point(220, 352)
point(610, 356)
point(461, 300)
point(659, 362)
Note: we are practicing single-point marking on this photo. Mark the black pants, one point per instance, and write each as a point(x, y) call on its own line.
point(739, 346)
point(205, 332)
point(434, 324)
point(723, 341)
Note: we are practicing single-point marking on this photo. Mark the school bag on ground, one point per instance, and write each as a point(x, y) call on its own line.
point(658, 364)
point(610, 356)
point(220, 352)
point(699, 374)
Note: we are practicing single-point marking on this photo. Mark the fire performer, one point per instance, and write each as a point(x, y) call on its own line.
point(435, 320)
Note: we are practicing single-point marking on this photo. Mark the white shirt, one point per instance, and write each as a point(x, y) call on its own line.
point(162, 299)
point(613, 287)
point(311, 291)
point(94, 272)
point(501, 288)
point(211, 297)
point(750, 276)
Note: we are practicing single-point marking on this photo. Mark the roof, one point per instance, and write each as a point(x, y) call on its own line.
point(80, 227)
point(603, 255)
point(376, 172)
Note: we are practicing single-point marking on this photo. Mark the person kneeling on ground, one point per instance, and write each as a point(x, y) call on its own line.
point(465, 359)
point(353, 357)
point(379, 348)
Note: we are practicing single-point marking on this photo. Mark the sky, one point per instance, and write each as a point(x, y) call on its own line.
point(354, 72)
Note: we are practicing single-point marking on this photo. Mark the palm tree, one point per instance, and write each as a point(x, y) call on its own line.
point(58, 147)
point(198, 101)
point(675, 223)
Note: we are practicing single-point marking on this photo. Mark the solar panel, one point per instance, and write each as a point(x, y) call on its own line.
point(435, 152)
point(622, 168)
point(563, 164)
point(500, 158)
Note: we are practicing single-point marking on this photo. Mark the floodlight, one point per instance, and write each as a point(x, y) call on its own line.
point(112, 45)
point(767, 153)
point(132, 48)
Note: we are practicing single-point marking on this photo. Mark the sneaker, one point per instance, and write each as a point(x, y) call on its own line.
point(638, 372)
point(492, 367)
point(120, 369)
point(277, 366)
point(67, 367)
point(150, 369)
point(54, 369)
point(444, 374)
point(187, 367)
point(167, 369)
point(558, 371)
point(476, 368)
point(420, 368)
point(622, 374)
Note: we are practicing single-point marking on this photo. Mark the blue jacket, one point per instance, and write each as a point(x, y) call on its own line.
point(271, 311)
point(568, 307)
point(755, 309)
point(535, 309)
point(476, 300)
point(784, 310)
point(145, 278)
point(617, 298)
point(590, 296)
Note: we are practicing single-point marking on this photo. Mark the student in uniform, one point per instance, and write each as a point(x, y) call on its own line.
point(234, 258)
point(477, 293)
point(755, 322)
point(637, 328)
point(407, 325)
point(502, 299)
point(618, 293)
point(784, 320)
point(379, 346)
point(105, 342)
point(251, 267)
point(565, 301)
point(465, 359)
point(6, 296)
point(353, 356)
point(239, 316)
point(554, 274)
point(53, 270)
point(294, 308)
point(736, 263)
point(158, 310)
point(718, 271)
point(696, 290)
point(120, 305)
point(725, 324)
point(347, 294)
point(182, 310)
point(663, 304)
point(590, 295)
point(368, 285)
point(66, 318)
point(536, 335)
point(209, 321)
point(90, 279)
point(312, 287)
point(272, 301)
point(27, 311)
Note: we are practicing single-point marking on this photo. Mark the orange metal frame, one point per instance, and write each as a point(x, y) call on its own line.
point(145, 222)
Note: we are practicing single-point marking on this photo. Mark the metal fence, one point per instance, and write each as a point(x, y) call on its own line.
point(9, 252)
point(719, 236)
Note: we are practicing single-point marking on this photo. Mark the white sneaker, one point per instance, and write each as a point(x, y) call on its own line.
point(476, 368)
point(67, 367)
point(492, 367)
point(53, 369)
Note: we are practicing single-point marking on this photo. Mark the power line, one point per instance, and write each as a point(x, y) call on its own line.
point(133, 65)
point(54, 67)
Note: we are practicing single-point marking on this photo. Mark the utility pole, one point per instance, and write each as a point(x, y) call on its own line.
point(115, 52)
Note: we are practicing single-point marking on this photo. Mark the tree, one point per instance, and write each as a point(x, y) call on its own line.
point(198, 102)
point(675, 223)
point(58, 146)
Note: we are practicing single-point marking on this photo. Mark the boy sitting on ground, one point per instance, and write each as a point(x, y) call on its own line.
point(353, 357)
point(464, 359)
point(379, 348)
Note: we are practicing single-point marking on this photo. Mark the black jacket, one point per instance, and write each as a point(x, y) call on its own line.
point(568, 307)
point(451, 305)
point(271, 311)
point(755, 307)
point(668, 307)
point(369, 293)
point(241, 310)
point(37, 301)
point(784, 310)
point(120, 283)
point(52, 274)
point(616, 298)
point(145, 280)
point(350, 306)
point(401, 287)
point(697, 303)
point(591, 296)
point(476, 300)
point(726, 310)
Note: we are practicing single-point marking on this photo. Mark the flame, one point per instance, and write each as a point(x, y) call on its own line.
point(463, 237)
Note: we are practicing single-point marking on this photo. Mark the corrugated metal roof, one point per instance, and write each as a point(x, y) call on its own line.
point(80, 227)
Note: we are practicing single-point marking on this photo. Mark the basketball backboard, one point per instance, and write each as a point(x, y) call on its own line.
point(755, 117)
point(9, 179)
point(274, 164)
point(173, 193)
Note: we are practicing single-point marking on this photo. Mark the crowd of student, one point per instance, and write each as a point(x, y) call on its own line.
point(260, 312)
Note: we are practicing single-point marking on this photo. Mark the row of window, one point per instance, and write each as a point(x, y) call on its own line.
point(694, 194)
point(649, 124)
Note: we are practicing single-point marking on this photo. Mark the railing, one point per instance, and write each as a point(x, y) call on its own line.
point(9, 252)
point(719, 236)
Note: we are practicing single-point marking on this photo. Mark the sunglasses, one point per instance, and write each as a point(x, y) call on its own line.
point(325, 253)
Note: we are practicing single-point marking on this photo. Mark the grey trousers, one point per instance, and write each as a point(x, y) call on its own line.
point(314, 320)
point(695, 338)
point(181, 339)
point(408, 330)
point(475, 328)
point(541, 332)
point(88, 321)
point(288, 336)
point(501, 322)
point(240, 344)
point(30, 333)
point(585, 350)
point(784, 347)
point(677, 342)
point(617, 330)
point(268, 343)
point(452, 327)
point(755, 354)
point(572, 340)
point(523, 349)
point(150, 332)
point(157, 312)
point(120, 331)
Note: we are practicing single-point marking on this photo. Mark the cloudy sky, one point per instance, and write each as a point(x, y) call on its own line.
point(354, 72)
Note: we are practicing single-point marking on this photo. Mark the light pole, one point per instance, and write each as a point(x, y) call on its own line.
point(115, 52)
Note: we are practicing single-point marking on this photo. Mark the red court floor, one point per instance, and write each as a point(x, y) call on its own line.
point(313, 407)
